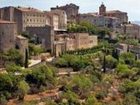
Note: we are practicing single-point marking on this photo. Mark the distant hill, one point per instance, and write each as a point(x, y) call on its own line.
point(136, 22)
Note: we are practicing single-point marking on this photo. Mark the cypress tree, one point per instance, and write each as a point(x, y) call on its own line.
point(26, 58)
point(104, 64)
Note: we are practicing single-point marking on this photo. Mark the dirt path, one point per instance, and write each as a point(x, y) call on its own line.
point(54, 93)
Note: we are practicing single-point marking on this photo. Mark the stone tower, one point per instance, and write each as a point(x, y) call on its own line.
point(102, 9)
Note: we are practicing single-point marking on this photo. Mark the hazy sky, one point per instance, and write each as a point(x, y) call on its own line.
point(130, 6)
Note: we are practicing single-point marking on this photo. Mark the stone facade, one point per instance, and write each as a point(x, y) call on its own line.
point(122, 16)
point(45, 35)
point(100, 21)
point(7, 13)
point(7, 35)
point(22, 45)
point(56, 18)
point(53, 20)
point(24, 17)
point(84, 40)
point(62, 22)
point(29, 17)
point(121, 48)
point(92, 18)
point(131, 30)
point(73, 41)
point(10, 40)
point(102, 10)
point(71, 10)
point(110, 19)
point(58, 48)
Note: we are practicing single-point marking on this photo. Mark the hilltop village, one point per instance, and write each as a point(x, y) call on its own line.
point(60, 56)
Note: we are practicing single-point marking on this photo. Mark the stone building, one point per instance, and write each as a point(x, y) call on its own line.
point(10, 40)
point(93, 18)
point(52, 19)
point(44, 34)
point(131, 30)
point(7, 35)
point(99, 20)
point(102, 10)
point(24, 17)
point(7, 13)
point(110, 19)
point(71, 10)
point(73, 41)
point(62, 22)
point(59, 47)
point(56, 18)
point(122, 16)
point(21, 44)
point(84, 40)
point(122, 48)
point(29, 17)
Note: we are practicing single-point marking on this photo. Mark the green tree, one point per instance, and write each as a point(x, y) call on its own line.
point(124, 71)
point(42, 76)
point(61, 62)
point(23, 89)
point(80, 85)
point(26, 58)
point(3, 99)
point(35, 49)
point(13, 68)
point(5, 82)
point(129, 86)
point(131, 41)
point(110, 62)
point(13, 55)
point(6, 88)
point(127, 57)
point(92, 29)
point(91, 100)
point(103, 32)
point(83, 26)
point(129, 98)
point(137, 64)
point(71, 98)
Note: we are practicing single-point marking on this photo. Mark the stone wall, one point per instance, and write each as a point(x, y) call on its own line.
point(24, 17)
point(22, 45)
point(74, 41)
point(131, 30)
point(45, 35)
point(7, 35)
point(71, 10)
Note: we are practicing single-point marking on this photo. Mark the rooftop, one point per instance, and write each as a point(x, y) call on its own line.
point(67, 5)
point(28, 9)
point(21, 37)
point(132, 25)
point(6, 22)
point(115, 11)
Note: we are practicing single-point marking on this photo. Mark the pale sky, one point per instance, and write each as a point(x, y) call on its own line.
point(130, 6)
